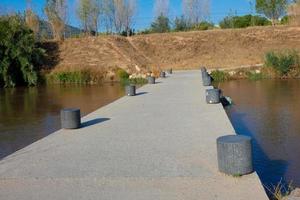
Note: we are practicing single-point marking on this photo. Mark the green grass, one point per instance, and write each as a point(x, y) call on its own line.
point(255, 76)
point(75, 77)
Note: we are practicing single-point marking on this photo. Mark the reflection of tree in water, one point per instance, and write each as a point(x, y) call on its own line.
point(29, 114)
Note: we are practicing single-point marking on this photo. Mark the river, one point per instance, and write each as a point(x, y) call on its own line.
point(29, 114)
point(269, 112)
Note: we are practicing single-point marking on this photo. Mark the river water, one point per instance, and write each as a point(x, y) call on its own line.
point(269, 112)
point(29, 114)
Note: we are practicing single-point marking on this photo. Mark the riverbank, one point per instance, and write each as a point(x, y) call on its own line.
point(140, 148)
point(284, 64)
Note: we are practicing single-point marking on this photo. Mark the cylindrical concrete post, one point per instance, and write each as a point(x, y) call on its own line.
point(151, 79)
point(213, 96)
point(205, 74)
point(235, 155)
point(130, 90)
point(206, 81)
point(70, 118)
point(163, 74)
point(170, 71)
point(203, 69)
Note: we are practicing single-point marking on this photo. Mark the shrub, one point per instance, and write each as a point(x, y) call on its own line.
point(285, 20)
point(220, 76)
point(77, 77)
point(243, 21)
point(122, 74)
point(282, 62)
point(204, 26)
point(255, 76)
point(138, 81)
point(19, 52)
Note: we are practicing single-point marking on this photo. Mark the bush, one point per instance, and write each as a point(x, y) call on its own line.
point(122, 74)
point(203, 26)
point(77, 77)
point(283, 62)
point(243, 21)
point(19, 52)
point(138, 81)
point(220, 76)
point(285, 20)
point(255, 76)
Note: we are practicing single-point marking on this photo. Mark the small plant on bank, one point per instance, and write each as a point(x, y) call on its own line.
point(280, 191)
point(283, 62)
point(123, 76)
point(255, 76)
point(220, 76)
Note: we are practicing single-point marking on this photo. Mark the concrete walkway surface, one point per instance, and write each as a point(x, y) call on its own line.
point(158, 145)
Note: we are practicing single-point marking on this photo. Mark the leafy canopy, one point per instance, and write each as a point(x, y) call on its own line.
point(19, 54)
point(272, 9)
point(161, 25)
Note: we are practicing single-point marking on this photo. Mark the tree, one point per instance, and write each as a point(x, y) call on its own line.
point(56, 11)
point(130, 9)
point(83, 12)
point(124, 13)
point(108, 15)
point(181, 24)
point(196, 10)
point(272, 9)
point(31, 19)
point(18, 52)
point(161, 24)
point(95, 15)
point(161, 8)
point(294, 13)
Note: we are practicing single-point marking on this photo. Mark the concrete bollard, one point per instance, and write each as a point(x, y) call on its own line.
point(206, 81)
point(130, 90)
point(151, 79)
point(203, 69)
point(213, 96)
point(235, 155)
point(163, 74)
point(170, 71)
point(205, 74)
point(70, 118)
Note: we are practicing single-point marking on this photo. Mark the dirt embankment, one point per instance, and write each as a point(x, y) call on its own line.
point(185, 50)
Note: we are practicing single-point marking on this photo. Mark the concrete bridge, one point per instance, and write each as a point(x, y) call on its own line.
point(160, 144)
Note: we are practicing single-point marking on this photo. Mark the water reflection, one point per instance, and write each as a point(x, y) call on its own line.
point(29, 114)
point(269, 111)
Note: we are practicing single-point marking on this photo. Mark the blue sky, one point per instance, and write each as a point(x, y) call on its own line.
point(219, 9)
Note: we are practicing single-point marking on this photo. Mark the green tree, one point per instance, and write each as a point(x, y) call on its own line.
point(161, 25)
point(181, 24)
point(272, 9)
point(18, 52)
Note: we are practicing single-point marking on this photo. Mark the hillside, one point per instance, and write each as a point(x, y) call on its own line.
point(184, 50)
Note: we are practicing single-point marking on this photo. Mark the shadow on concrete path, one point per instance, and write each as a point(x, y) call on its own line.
point(93, 122)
